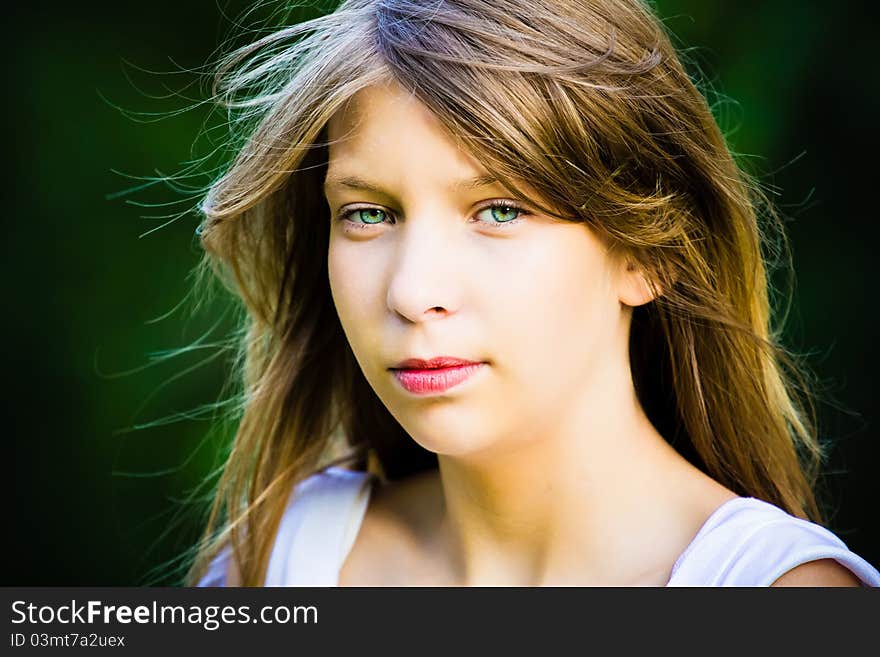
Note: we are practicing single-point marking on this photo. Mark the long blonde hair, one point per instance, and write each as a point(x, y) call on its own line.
point(588, 101)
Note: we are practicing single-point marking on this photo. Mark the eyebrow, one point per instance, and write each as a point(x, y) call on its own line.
point(355, 182)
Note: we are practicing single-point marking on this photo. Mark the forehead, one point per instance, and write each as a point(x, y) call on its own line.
point(376, 104)
point(385, 134)
point(385, 122)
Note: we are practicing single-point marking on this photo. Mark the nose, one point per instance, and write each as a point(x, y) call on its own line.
point(424, 279)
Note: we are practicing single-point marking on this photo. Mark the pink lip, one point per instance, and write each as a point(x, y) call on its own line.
point(432, 363)
point(435, 375)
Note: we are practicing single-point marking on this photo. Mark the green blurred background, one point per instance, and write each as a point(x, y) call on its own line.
point(92, 303)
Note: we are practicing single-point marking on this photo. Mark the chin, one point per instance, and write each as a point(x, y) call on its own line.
point(450, 436)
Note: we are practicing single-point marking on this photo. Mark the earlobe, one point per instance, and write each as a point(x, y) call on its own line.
point(634, 289)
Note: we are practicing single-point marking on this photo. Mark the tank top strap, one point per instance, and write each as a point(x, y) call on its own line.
point(318, 528)
point(749, 542)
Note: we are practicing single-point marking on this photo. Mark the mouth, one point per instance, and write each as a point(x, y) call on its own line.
point(436, 375)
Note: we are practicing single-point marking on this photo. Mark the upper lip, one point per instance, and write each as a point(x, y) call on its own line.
point(433, 363)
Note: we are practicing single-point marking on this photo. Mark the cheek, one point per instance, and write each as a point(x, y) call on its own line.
point(341, 278)
point(553, 308)
point(353, 285)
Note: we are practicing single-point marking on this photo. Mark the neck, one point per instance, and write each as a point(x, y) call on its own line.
point(565, 502)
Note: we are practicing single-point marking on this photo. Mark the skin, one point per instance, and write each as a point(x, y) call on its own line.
point(550, 472)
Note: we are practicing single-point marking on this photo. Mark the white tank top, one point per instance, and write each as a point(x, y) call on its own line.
point(745, 542)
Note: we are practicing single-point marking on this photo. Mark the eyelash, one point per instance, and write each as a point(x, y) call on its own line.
point(498, 203)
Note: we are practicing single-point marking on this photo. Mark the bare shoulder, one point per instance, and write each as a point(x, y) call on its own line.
point(822, 572)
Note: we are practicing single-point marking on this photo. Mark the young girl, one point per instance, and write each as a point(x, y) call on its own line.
point(507, 314)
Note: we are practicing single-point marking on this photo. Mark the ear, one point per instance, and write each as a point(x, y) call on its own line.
point(634, 286)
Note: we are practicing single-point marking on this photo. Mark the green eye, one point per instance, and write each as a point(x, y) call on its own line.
point(369, 215)
point(504, 213)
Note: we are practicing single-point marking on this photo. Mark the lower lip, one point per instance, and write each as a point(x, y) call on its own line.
point(441, 379)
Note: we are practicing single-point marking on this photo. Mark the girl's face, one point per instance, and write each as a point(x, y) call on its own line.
point(423, 266)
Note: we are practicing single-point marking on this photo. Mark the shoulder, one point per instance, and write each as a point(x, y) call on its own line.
point(749, 542)
point(316, 525)
point(323, 515)
point(823, 572)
